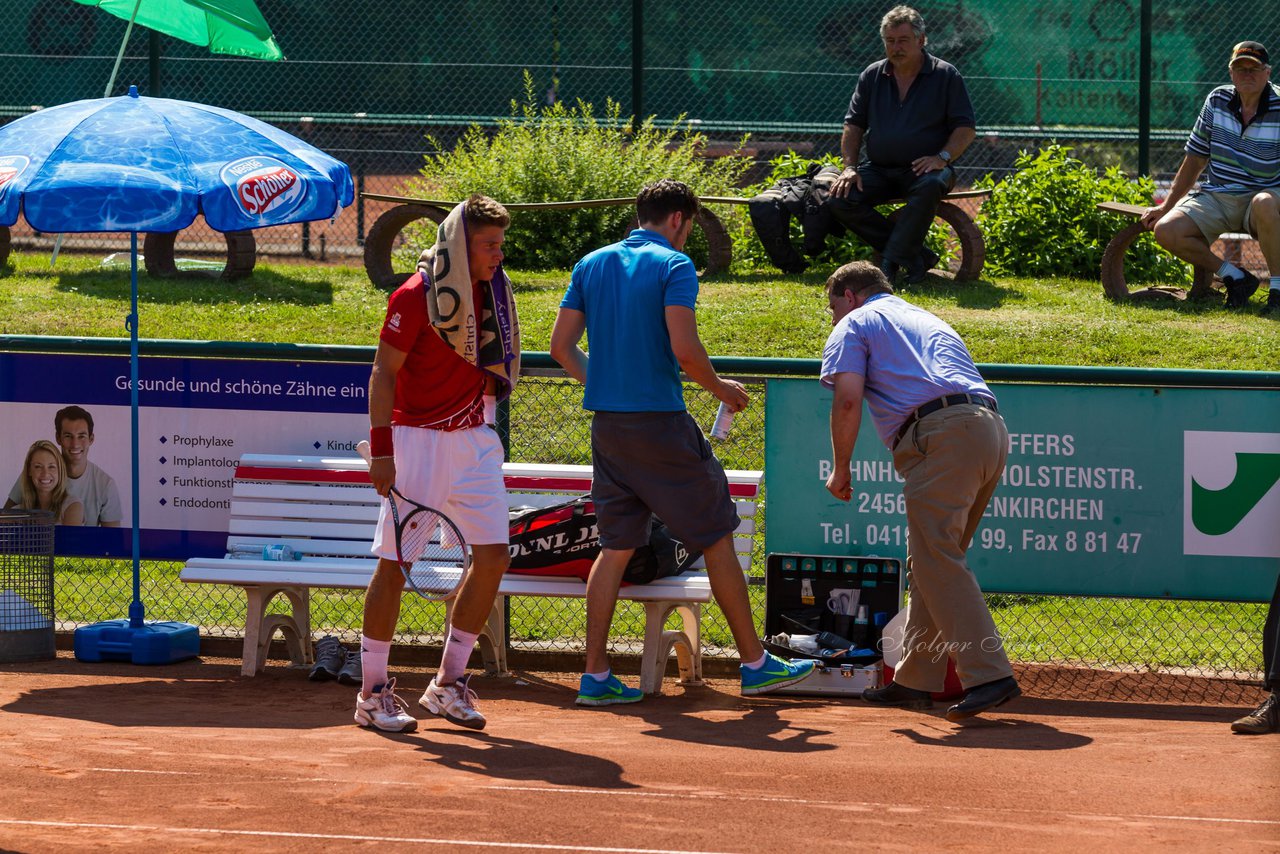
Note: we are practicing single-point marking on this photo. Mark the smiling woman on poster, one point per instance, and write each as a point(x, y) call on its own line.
point(44, 484)
point(85, 482)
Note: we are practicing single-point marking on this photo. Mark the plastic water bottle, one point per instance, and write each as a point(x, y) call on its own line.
point(724, 420)
point(280, 551)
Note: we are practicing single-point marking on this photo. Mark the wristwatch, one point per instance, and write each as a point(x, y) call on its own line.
point(944, 156)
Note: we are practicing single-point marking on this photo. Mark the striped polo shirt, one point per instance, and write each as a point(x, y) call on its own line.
point(1241, 159)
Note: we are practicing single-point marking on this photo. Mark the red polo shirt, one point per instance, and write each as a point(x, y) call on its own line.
point(436, 387)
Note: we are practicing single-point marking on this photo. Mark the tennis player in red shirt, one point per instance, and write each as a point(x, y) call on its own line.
point(449, 349)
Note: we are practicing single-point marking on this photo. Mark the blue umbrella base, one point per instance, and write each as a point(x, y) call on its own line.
point(151, 643)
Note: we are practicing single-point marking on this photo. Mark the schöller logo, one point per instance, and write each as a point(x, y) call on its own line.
point(10, 168)
point(1231, 494)
point(263, 184)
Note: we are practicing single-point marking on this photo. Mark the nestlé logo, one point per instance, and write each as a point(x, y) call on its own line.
point(10, 168)
point(263, 184)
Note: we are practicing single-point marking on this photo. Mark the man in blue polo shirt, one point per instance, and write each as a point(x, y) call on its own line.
point(1237, 138)
point(934, 412)
point(914, 113)
point(635, 302)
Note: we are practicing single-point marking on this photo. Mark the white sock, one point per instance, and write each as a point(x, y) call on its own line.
point(373, 663)
point(1230, 270)
point(457, 649)
point(601, 677)
point(757, 664)
point(1274, 284)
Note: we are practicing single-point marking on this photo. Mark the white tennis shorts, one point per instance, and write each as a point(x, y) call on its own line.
point(457, 472)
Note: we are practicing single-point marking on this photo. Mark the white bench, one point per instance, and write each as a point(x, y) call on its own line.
point(325, 509)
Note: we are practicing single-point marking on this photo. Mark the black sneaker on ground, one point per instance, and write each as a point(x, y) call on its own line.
point(351, 672)
point(1272, 308)
point(1262, 720)
point(330, 657)
point(1239, 289)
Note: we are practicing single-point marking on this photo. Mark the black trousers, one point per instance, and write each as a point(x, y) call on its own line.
point(902, 242)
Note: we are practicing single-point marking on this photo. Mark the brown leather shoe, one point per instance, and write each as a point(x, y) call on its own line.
point(898, 696)
point(1262, 720)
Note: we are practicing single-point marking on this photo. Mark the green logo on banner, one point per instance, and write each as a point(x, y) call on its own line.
point(1217, 511)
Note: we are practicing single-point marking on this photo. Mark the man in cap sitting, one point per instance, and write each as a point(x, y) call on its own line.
point(1237, 137)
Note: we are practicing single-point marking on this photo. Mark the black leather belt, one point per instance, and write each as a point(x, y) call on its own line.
point(942, 403)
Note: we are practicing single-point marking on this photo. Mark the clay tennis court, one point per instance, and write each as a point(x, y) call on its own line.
point(193, 756)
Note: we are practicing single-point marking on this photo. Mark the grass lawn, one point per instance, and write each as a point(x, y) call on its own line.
point(1014, 321)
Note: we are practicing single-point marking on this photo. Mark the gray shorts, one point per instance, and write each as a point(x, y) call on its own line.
point(659, 463)
point(1218, 213)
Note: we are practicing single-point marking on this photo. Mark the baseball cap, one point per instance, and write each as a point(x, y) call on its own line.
point(1252, 51)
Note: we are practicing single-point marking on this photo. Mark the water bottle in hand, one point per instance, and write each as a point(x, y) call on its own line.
point(724, 420)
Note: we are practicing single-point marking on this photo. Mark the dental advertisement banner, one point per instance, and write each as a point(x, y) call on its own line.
point(196, 416)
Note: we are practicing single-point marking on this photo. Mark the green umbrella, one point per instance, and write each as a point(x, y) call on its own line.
point(233, 27)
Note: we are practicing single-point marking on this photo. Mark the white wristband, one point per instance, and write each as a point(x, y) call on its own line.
point(490, 409)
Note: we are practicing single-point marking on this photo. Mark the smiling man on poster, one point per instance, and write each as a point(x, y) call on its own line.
point(86, 482)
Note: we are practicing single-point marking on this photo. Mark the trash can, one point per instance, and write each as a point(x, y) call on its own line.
point(26, 585)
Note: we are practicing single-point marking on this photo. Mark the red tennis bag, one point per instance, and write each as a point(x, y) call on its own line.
point(562, 540)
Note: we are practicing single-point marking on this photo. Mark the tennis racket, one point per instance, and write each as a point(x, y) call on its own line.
point(431, 551)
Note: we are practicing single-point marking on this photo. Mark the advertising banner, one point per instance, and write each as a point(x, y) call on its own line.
point(196, 416)
point(1108, 491)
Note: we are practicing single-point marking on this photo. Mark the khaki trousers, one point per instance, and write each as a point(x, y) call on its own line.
point(951, 461)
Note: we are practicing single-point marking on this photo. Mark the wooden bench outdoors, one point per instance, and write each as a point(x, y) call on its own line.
point(1114, 284)
point(325, 509)
point(384, 233)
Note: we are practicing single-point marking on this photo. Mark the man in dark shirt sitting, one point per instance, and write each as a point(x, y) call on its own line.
point(915, 113)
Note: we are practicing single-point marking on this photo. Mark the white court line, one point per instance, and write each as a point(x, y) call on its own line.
point(339, 837)
point(868, 806)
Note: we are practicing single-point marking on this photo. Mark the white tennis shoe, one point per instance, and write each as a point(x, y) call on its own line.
point(384, 711)
point(455, 703)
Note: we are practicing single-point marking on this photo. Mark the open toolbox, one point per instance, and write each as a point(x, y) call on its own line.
point(801, 592)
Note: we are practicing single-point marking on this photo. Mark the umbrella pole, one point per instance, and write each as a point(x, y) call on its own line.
point(120, 55)
point(136, 610)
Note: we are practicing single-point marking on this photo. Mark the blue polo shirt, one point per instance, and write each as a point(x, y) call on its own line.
point(907, 356)
point(624, 289)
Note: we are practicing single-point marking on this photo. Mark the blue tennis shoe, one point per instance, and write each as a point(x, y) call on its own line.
point(774, 674)
point(610, 692)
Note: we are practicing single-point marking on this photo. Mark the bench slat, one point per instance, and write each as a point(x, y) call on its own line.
point(1123, 208)
point(348, 572)
point(309, 511)
point(304, 492)
point(358, 548)
point(301, 528)
point(354, 574)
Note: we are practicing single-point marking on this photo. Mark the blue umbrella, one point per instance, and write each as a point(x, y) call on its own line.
point(152, 164)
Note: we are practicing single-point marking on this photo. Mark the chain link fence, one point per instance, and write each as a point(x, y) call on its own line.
point(1087, 647)
point(367, 83)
